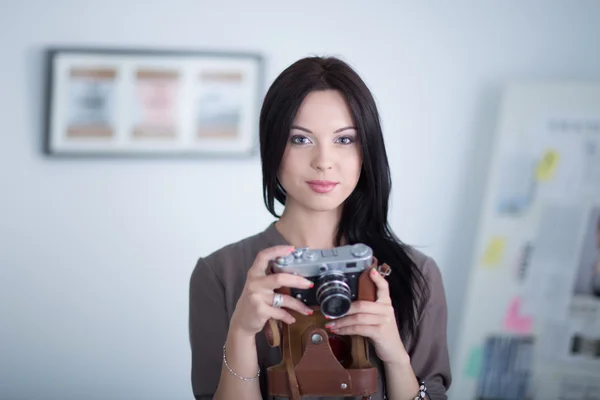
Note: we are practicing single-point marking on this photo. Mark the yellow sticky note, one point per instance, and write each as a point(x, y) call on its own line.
point(547, 166)
point(494, 251)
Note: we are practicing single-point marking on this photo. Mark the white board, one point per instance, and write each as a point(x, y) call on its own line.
point(533, 268)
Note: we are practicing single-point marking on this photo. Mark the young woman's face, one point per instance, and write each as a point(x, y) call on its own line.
point(322, 160)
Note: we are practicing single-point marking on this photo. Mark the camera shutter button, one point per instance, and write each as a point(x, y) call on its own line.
point(285, 260)
point(359, 250)
point(298, 252)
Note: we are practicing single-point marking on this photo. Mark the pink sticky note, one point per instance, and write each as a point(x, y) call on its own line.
point(515, 322)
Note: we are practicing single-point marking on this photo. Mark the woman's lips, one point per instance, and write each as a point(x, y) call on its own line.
point(322, 186)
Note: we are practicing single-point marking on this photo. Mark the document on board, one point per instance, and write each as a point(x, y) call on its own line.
point(562, 384)
point(561, 288)
point(577, 387)
point(547, 285)
point(567, 150)
point(591, 163)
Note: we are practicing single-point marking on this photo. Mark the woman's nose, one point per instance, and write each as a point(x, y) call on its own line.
point(322, 159)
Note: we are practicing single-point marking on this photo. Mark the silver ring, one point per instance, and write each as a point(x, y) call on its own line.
point(277, 300)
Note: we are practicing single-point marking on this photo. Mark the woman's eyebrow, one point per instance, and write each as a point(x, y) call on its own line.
point(300, 128)
point(309, 131)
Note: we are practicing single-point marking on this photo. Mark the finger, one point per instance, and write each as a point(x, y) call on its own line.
point(276, 281)
point(261, 261)
point(359, 319)
point(370, 331)
point(282, 315)
point(383, 289)
point(291, 303)
point(369, 307)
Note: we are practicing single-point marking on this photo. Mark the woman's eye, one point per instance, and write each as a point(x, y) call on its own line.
point(345, 140)
point(297, 139)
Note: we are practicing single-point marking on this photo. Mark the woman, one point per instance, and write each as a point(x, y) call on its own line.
point(324, 159)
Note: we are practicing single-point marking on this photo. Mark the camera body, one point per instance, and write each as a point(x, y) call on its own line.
point(335, 273)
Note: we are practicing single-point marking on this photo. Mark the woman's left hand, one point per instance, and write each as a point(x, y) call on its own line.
point(375, 320)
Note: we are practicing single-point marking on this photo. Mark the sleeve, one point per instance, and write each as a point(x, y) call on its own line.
point(429, 349)
point(208, 324)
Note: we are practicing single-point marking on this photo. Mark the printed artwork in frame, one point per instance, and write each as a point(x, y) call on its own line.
point(152, 103)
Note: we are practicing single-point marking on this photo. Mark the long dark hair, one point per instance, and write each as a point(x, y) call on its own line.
point(365, 212)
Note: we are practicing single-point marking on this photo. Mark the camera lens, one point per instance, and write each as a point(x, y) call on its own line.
point(333, 294)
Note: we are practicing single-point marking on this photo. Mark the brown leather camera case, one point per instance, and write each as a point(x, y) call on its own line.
point(309, 366)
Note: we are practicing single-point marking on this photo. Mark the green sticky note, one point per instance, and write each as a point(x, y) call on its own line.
point(474, 362)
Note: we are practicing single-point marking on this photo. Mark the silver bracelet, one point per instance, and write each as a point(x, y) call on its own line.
point(233, 372)
point(422, 392)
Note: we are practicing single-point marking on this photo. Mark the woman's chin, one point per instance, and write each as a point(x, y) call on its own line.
point(324, 205)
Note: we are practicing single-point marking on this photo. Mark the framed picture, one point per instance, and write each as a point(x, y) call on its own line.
point(152, 103)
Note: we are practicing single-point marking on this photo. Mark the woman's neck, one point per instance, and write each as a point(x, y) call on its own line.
point(305, 228)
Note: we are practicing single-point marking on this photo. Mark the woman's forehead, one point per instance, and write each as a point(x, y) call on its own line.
point(324, 110)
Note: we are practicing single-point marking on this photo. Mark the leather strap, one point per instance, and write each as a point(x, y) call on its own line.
point(360, 352)
point(289, 364)
point(272, 333)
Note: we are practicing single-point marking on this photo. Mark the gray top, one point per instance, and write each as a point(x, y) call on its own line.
point(217, 282)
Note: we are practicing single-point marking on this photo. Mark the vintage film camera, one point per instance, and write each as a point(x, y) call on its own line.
point(316, 362)
point(334, 272)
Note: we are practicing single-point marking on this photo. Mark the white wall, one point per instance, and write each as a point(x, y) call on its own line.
point(95, 255)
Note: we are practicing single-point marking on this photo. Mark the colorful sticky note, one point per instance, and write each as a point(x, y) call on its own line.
point(547, 166)
point(494, 251)
point(474, 362)
point(514, 321)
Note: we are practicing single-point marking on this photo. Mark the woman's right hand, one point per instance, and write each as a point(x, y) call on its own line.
point(254, 307)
